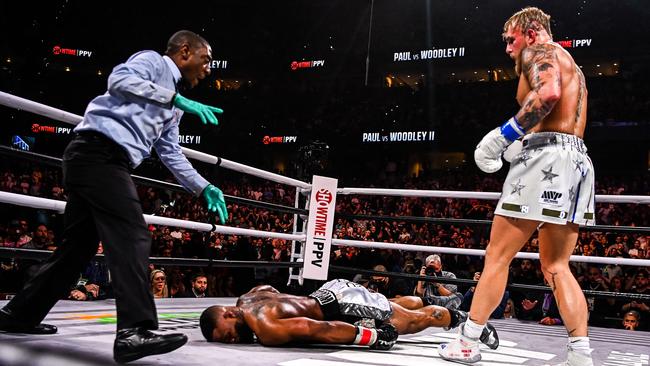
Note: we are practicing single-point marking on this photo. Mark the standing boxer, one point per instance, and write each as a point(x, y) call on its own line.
point(549, 185)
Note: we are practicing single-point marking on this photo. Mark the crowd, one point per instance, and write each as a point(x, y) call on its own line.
point(37, 229)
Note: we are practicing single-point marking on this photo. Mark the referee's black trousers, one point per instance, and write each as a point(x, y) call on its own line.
point(102, 205)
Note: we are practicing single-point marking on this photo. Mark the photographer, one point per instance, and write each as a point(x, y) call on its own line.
point(433, 293)
point(498, 313)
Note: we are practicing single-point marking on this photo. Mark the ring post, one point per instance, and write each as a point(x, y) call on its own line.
point(320, 227)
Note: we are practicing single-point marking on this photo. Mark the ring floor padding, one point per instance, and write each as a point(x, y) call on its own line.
point(87, 330)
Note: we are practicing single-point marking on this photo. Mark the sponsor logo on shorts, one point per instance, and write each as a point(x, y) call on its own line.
point(524, 209)
point(551, 198)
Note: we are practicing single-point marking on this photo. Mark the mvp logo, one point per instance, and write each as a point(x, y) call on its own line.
point(551, 198)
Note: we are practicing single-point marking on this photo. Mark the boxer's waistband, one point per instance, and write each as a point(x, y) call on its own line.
point(563, 140)
point(328, 303)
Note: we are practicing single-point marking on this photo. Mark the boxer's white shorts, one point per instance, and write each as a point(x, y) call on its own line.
point(550, 180)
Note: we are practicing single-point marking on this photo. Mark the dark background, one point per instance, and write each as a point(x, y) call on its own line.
point(459, 98)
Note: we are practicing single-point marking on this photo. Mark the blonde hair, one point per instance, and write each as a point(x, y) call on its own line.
point(165, 290)
point(529, 18)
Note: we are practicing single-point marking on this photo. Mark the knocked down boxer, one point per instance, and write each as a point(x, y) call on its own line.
point(340, 312)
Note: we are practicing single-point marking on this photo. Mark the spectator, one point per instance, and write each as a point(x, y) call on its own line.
point(636, 251)
point(198, 288)
point(595, 281)
point(528, 304)
point(498, 313)
point(509, 311)
point(176, 282)
point(158, 284)
point(640, 287)
point(550, 311)
point(390, 287)
point(227, 286)
point(433, 293)
point(612, 306)
point(40, 240)
point(88, 292)
point(631, 320)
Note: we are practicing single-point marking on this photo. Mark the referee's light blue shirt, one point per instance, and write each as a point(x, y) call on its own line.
point(137, 113)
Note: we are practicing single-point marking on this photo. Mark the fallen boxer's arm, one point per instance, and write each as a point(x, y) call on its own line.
point(306, 330)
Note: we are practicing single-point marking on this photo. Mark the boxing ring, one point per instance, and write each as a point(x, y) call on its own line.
point(87, 329)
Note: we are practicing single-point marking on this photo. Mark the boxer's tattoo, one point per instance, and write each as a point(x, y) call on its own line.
point(552, 282)
point(437, 314)
point(571, 332)
point(581, 93)
point(540, 67)
point(257, 309)
point(553, 286)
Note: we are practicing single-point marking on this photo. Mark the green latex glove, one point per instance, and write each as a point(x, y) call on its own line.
point(205, 112)
point(214, 197)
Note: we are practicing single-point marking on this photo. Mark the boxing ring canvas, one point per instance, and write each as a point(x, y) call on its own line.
point(87, 330)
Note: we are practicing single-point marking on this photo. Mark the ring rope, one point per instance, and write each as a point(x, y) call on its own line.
point(16, 102)
point(184, 262)
point(461, 281)
point(45, 203)
point(55, 205)
point(443, 220)
point(600, 198)
point(481, 252)
point(194, 262)
point(41, 109)
point(57, 162)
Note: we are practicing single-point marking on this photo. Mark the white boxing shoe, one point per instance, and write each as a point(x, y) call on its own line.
point(462, 349)
point(577, 359)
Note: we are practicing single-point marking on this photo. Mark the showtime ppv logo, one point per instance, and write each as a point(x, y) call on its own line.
point(58, 50)
point(322, 204)
point(323, 199)
point(266, 140)
point(295, 65)
point(36, 128)
point(573, 43)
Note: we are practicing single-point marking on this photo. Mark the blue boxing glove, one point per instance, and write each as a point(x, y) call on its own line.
point(489, 151)
point(205, 112)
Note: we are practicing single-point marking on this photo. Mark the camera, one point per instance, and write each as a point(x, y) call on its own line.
point(430, 271)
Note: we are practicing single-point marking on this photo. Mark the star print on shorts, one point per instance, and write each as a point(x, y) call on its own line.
point(549, 175)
